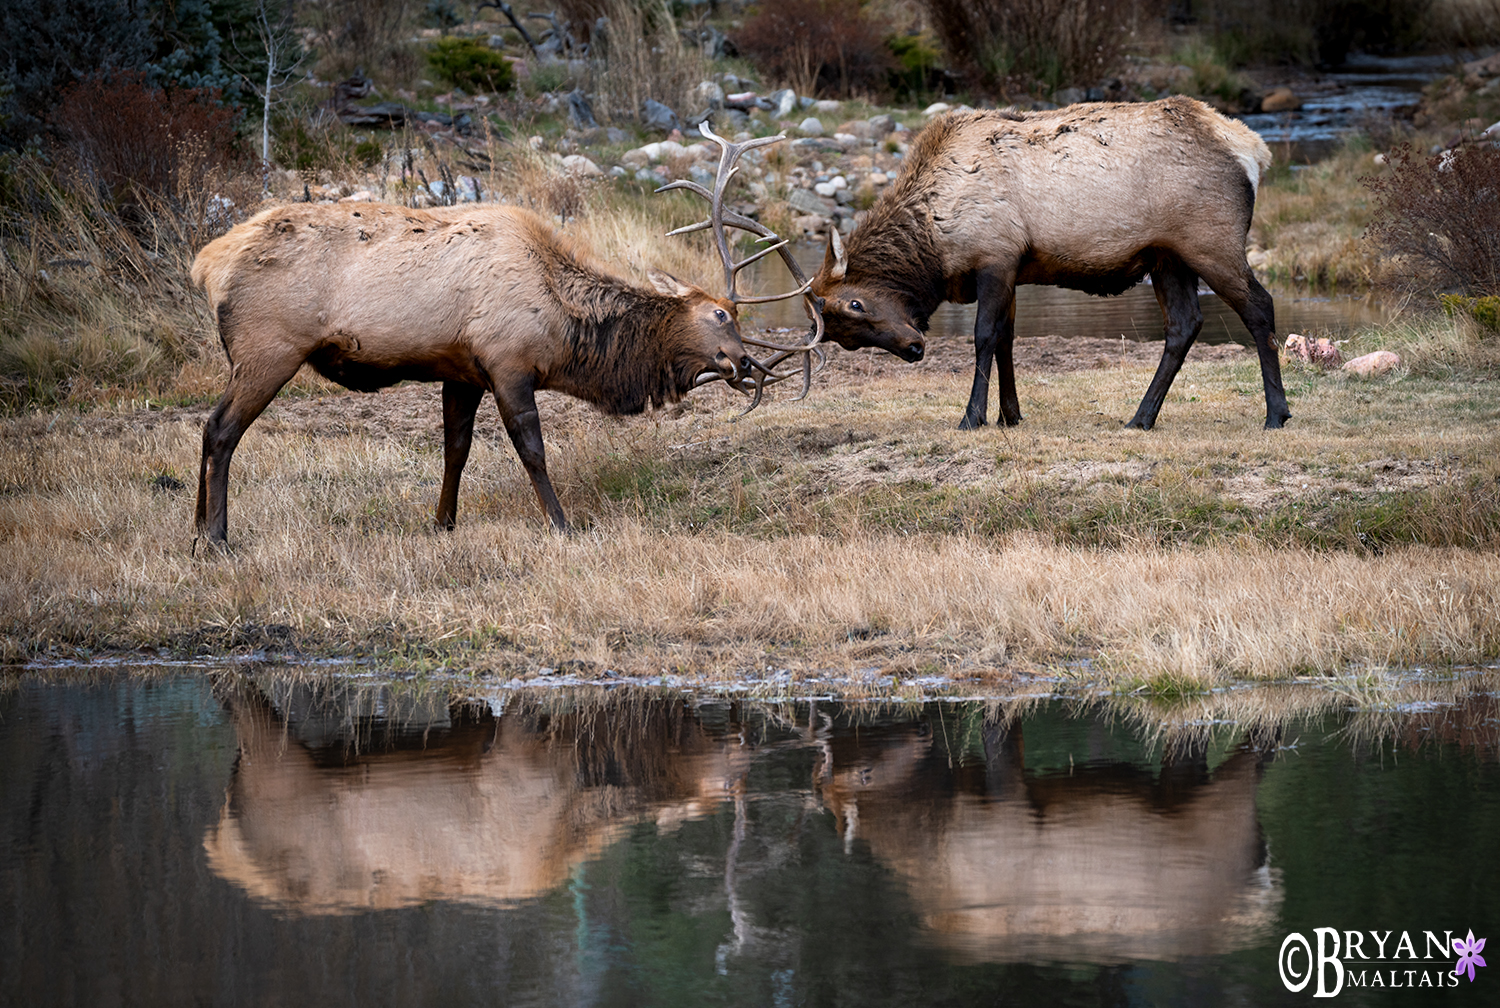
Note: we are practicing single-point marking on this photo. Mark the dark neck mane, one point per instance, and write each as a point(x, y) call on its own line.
point(620, 355)
point(895, 248)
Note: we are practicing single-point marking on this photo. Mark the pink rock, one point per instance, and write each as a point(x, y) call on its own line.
point(1320, 351)
point(1373, 365)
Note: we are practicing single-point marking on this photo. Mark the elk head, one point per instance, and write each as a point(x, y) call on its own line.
point(857, 315)
point(761, 373)
point(704, 337)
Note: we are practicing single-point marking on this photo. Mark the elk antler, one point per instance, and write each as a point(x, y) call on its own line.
point(763, 372)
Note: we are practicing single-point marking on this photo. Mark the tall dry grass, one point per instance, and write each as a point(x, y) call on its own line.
point(718, 549)
point(645, 56)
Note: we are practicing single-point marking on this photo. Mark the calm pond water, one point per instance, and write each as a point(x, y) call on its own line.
point(249, 839)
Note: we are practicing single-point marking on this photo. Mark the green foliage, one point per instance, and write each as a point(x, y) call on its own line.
point(918, 62)
point(1484, 310)
point(470, 64)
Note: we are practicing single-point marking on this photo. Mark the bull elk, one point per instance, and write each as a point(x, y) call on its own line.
point(482, 299)
point(1093, 197)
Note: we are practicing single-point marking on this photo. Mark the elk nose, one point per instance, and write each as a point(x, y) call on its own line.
point(914, 350)
point(726, 367)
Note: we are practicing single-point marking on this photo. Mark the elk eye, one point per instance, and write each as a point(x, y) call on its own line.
point(856, 306)
point(719, 314)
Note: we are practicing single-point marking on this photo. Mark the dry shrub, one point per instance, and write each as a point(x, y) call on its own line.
point(364, 33)
point(831, 47)
point(1037, 46)
point(642, 55)
point(131, 137)
point(1439, 218)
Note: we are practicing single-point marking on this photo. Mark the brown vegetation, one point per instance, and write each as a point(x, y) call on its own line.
point(1438, 219)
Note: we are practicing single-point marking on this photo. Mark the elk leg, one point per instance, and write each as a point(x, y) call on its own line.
point(1177, 292)
point(523, 424)
point(460, 403)
point(1237, 285)
point(994, 338)
point(252, 386)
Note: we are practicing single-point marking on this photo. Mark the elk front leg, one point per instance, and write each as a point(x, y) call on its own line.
point(253, 383)
point(523, 424)
point(460, 403)
point(1176, 290)
point(994, 338)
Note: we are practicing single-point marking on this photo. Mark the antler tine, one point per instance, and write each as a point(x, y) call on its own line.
point(719, 218)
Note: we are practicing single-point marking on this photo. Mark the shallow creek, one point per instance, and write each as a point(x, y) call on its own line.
point(225, 837)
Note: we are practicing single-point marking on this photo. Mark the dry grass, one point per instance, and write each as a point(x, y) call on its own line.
point(858, 533)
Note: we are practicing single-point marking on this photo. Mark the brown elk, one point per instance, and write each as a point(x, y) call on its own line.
point(1093, 197)
point(482, 299)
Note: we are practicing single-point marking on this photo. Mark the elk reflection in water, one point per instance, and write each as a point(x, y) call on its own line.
point(480, 809)
point(1100, 862)
point(1002, 863)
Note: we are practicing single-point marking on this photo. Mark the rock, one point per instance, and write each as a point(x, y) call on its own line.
point(1487, 67)
point(1373, 365)
point(707, 94)
point(825, 188)
point(880, 126)
point(936, 108)
point(1319, 352)
point(700, 173)
point(468, 188)
point(577, 164)
point(807, 202)
point(1280, 100)
point(1069, 96)
point(879, 178)
point(785, 100)
point(811, 225)
point(656, 116)
point(362, 196)
point(811, 126)
point(861, 128)
point(580, 111)
point(827, 106)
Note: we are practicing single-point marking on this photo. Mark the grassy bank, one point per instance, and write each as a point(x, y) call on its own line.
point(858, 531)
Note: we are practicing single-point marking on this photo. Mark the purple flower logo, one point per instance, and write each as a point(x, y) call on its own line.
point(1468, 955)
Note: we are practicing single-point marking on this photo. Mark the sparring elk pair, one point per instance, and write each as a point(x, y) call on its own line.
point(483, 299)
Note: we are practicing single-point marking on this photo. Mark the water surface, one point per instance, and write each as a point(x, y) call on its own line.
point(256, 839)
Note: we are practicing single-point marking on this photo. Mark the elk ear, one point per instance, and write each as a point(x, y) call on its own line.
point(835, 263)
point(666, 283)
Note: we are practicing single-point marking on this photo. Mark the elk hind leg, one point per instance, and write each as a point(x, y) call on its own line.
point(523, 424)
point(253, 383)
point(1237, 285)
point(460, 403)
point(1176, 288)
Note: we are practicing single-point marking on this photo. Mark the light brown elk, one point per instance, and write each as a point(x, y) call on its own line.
point(1092, 197)
point(482, 299)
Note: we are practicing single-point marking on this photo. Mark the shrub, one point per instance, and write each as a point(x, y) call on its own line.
point(832, 47)
point(1440, 218)
point(128, 136)
point(470, 64)
point(918, 65)
point(1035, 46)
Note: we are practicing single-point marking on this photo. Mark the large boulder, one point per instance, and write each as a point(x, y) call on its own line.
point(1373, 365)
